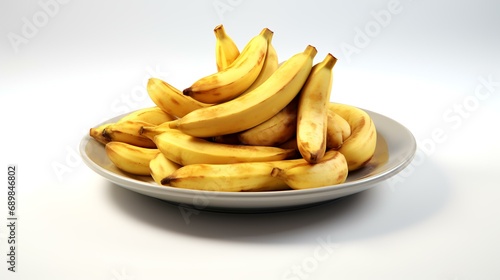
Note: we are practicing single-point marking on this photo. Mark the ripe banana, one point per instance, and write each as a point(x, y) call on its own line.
point(275, 131)
point(270, 65)
point(312, 115)
point(170, 99)
point(161, 167)
point(359, 148)
point(254, 107)
point(236, 78)
point(332, 169)
point(130, 158)
point(152, 115)
point(337, 130)
point(226, 50)
point(235, 177)
point(129, 132)
point(185, 149)
point(96, 133)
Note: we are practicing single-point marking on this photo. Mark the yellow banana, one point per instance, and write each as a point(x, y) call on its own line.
point(130, 158)
point(234, 177)
point(152, 115)
point(128, 132)
point(254, 107)
point(161, 167)
point(270, 65)
point(170, 99)
point(312, 116)
point(226, 50)
point(236, 78)
point(96, 133)
point(337, 131)
point(275, 131)
point(185, 149)
point(358, 148)
point(332, 169)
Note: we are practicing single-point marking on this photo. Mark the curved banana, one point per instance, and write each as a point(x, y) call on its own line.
point(332, 169)
point(128, 132)
point(96, 133)
point(252, 108)
point(235, 177)
point(337, 130)
point(275, 131)
point(359, 148)
point(185, 149)
point(312, 115)
point(226, 50)
point(236, 78)
point(152, 115)
point(270, 65)
point(161, 167)
point(130, 158)
point(170, 99)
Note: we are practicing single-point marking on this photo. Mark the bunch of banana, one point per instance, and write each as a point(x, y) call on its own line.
point(254, 125)
point(230, 82)
point(254, 107)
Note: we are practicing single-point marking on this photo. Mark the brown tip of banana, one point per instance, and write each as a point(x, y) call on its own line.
point(275, 172)
point(165, 181)
point(187, 91)
point(219, 27)
point(267, 33)
point(330, 60)
point(106, 135)
point(311, 50)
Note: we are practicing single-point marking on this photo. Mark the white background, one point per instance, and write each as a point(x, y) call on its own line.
point(431, 65)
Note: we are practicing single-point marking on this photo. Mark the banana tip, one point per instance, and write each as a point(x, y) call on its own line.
point(187, 91)
point(165, 181)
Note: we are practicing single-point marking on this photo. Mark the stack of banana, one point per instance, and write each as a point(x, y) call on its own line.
point(252, 125)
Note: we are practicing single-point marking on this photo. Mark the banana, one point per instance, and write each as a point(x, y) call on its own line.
point(185, 149)
point(170, 99)
point(130, 158)
point(235, 177)
point(359, 148)
point(236, 78)
point(226, 50)
point(96, 133)
point(161, 167)
point(270, 65)
point(254, 107)
point(261, 176)
point(152, 115)
point(337, 131)
point(275, 131)
point(332, 169)
point(128, 131)
point(312, 115)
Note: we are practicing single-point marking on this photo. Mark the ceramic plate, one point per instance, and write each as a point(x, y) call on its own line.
point(396, 148)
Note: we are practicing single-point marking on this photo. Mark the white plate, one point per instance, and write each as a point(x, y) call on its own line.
point(396, 148)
